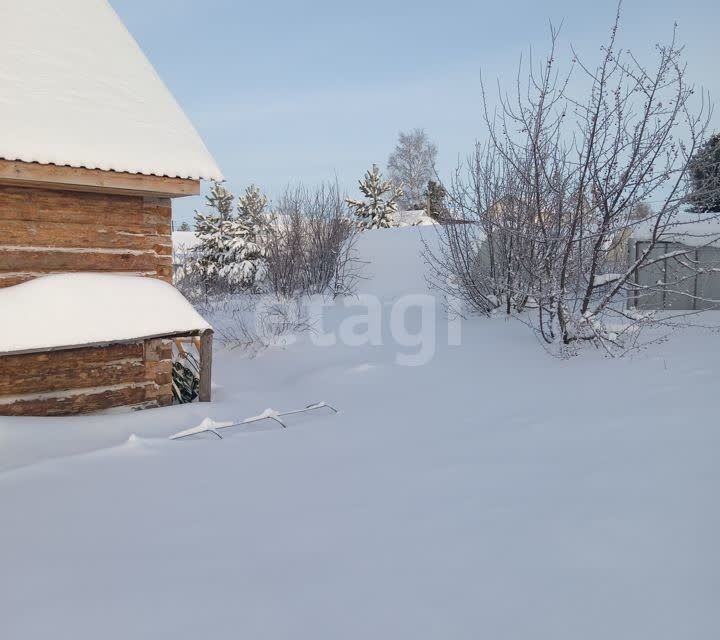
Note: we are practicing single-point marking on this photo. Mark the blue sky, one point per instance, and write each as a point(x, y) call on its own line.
point(289, 91)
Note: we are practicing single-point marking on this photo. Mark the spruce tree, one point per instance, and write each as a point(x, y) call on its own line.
point(252, 203)
point(229, 254)
point(705, 177)
point(376, 211)
point(213, 229)
point(248, 234)
point(435, 206)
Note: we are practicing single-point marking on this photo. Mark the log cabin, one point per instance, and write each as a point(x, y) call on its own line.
point(93, 150)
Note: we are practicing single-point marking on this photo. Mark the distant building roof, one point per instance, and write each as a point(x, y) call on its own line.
point(76, 90)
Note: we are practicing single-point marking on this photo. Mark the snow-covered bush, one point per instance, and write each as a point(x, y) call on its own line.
point(310, 244)
point(255, 322)
point(377, 209)
point(308, 248)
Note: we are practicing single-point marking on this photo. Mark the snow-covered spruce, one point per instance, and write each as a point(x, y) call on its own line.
point(230, 250)
point(376, 211)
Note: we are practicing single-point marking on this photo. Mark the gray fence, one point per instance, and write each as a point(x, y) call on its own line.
point(676, 286)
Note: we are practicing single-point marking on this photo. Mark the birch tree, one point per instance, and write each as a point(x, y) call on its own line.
point(411, 166)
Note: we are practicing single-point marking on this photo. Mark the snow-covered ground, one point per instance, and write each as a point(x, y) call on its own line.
point(495, 492)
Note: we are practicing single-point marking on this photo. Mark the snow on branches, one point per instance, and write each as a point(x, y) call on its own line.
point(230, 250)
point(552, 200)
point(376, 211)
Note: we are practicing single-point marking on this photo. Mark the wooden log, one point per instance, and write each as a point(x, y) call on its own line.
point(45, 231)
point(206, 344)
point(159, 372)
point(77, 402)
point(9, 279)
point(41, 205)
point(71, 369)
point(75, 235)
point(49, 361)
point(157, 349)
point(72, 376)
point(47, 259)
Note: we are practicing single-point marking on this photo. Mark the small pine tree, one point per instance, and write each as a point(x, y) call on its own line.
point(184, 227)
point(435, 206)
point(705, 177)
point(228, 252)
point(376, 211)
point(252, 203)
point(248, 233)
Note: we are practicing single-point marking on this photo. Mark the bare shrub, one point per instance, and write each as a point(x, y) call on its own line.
point(310, 244)
point(254, 322)
point(545, 209)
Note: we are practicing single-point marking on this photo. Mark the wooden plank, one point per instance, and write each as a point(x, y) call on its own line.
point(206, 344)
point(93, 180)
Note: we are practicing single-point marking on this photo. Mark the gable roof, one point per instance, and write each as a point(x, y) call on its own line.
point(76, 90)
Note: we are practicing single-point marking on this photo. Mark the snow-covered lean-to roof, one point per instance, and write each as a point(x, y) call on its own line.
point(77, 90)
point(77, 309)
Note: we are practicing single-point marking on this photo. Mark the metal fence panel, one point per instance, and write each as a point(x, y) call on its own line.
point(708, 282)
point(682, 287)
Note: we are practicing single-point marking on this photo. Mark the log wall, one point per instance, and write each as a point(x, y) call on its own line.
point(44, 231)
point(74, 381)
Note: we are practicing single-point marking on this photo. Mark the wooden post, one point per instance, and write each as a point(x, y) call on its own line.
point(206, 343)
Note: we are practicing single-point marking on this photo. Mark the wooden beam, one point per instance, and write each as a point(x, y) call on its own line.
point(50, 176)
point(206, 343)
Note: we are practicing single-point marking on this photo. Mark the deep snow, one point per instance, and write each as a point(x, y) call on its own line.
point(496, 492)
point(72, 309)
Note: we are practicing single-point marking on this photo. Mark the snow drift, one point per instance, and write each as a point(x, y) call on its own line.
point(75, 309)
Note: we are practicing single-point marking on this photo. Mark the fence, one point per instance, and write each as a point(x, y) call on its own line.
point(675, 285)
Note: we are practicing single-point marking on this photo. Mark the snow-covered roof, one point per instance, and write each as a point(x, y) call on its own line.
point(688, 228)
point(185, 239)
point(76, 309)
point(412, 218)
point(76, 90)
